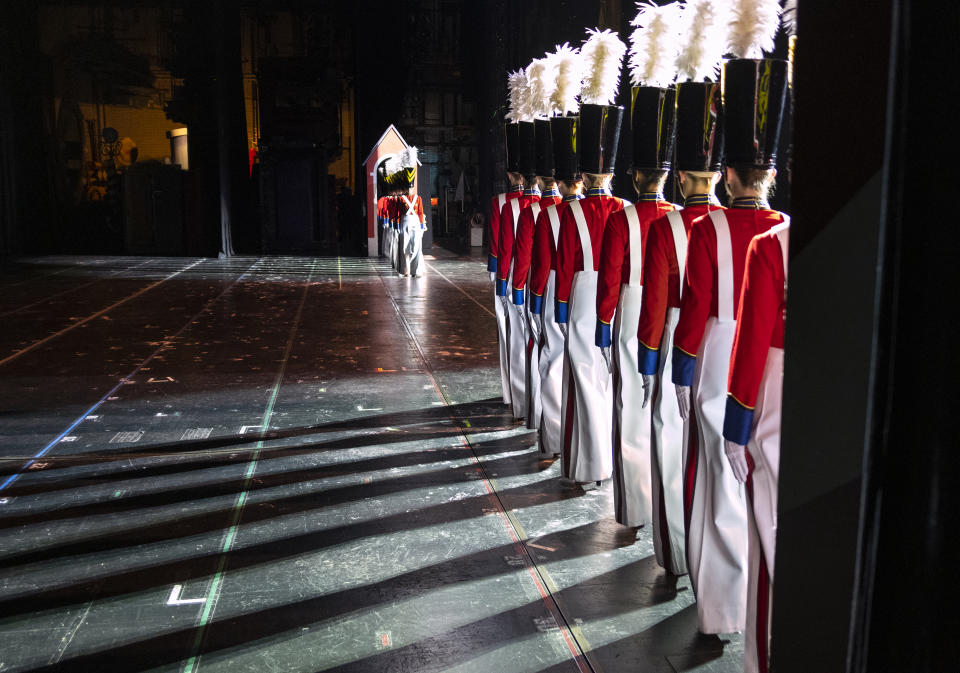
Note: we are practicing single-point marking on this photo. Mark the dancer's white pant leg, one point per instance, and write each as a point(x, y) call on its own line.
point(551, 373)
point(591, 454)
point(668, 443)
point(764, 448)
point(719, 514)
point(632, 483)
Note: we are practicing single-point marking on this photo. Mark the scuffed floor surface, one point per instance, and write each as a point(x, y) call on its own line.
point(298, 465)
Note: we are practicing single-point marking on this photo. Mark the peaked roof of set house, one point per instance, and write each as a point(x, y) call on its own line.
point(384, 137)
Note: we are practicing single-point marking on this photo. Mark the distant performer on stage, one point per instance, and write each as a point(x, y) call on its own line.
point(410, 218)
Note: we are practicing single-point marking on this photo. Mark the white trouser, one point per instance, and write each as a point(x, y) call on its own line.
point(587, 388)
point(552, 356)
point(398, 246)
point(534, 405)
point(413, 249)
point(502, 346)
point(717, 535)
point(668, 444)
point(631, 422)
point(764, 448)
point(389, 240)
point(517, 338)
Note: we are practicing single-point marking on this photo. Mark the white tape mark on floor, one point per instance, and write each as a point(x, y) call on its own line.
point(176, 600)
point(127, 437)
point(196, 433)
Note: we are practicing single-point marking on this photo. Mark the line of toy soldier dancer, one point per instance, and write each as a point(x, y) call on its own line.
point(645, 341)
point(400, 214)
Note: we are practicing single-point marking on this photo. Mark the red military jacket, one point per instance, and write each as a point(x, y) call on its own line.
point(382, 210)
point(661, 281)
point(505, 248)
point(597, 208)
point(544, 258)
point(523, 245)
point(614, 269)
point(494, 239)
point(403, 203)
point(700, 279)
point(393, 210)
point(760, 327)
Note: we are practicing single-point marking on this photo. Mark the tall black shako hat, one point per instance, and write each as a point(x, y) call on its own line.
point(512, 132)
point(599, 135)
point(652, 124)
point(527, 147)
point(754, 95)
point(699, 132)
point(564, 132)
point(544, 148)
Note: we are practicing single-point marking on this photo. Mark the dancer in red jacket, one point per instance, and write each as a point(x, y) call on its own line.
point(543, 281)
point(515, 190)
point(517, 330)
point(587, 390)
point(755, 381)
point(697, 161)
point(522, 255)
point(620, 293)
point(704, 338)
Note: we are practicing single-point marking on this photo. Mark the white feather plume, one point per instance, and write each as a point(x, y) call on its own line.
point(602, 58)
point(542, 78)
point(703, 39)
point(654, 44)
point(516, 93)
point(391, 165)
point(408, 157)
point(753, 26)
point(568, 66)
point(788, 16)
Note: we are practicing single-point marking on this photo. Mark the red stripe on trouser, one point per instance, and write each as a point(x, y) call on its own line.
point(690, 474)
point(763, 584)
point(690, 469)
point(568, 425)
point(619, 504)
point(763, 602)
point(528, 389)
point(665, 539)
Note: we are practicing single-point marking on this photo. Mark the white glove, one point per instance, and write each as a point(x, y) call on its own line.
point(607, 357)
point(493, 276)
point(563, 329)
point(520, 312)
point(683, 399)
point(506, 304)
point(538, 318)
point(647, 387)
point(737, 457)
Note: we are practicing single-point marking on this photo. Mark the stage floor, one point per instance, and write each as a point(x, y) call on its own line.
point(298, 464)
